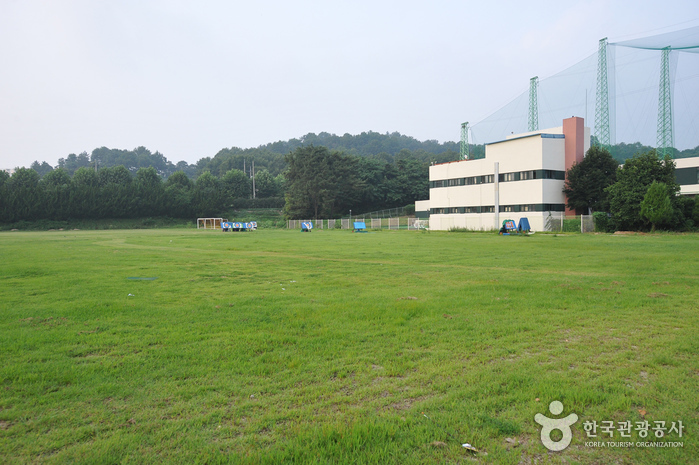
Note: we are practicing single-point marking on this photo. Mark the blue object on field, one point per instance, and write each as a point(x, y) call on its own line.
point(238, 226)
point(524, 225)
point(508, 227)
point(359, 226)
point(307, 226)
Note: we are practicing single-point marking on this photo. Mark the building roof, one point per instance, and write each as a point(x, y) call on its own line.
point(543, 135)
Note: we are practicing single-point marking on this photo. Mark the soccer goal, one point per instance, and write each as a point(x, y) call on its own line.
point(210, 223)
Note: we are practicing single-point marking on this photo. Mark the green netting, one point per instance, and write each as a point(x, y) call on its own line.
point(686, 40)
point(633, 86)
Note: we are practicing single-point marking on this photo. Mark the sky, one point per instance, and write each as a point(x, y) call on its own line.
point(188, 78)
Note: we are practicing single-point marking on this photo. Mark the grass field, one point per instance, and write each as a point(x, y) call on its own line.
point(276, 346)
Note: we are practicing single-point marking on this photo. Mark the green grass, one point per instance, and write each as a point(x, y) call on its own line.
point(275, 346)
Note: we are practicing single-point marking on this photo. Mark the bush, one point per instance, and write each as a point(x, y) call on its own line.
point(603, 222)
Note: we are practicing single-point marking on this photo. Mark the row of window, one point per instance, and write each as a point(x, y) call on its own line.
point(534, 207)
point(504, 177)
point(487, 179)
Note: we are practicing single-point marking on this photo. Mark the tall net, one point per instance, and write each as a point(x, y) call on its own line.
point(633, 73)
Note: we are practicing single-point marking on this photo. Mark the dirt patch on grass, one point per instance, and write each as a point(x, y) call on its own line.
point(657, 295)
point(48, 322)
point(405, 404)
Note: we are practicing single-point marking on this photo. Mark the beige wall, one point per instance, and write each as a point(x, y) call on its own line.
point(486, 221)
point(522, 152)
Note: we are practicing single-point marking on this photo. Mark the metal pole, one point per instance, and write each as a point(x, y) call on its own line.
point(496, 183)
point(253, 179)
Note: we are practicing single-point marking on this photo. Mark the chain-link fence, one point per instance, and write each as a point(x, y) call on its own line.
point(408, 223)
point(587, 224)
point(559, 222)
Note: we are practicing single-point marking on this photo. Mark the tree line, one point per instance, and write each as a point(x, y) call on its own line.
point(641, 194)
point(315, 182)
point(115, 193)
point(321, 175)
point(270, 156)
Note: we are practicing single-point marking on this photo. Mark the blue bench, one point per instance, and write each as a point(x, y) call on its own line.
point(359, 226)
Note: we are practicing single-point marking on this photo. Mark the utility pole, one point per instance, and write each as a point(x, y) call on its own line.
point(253, 179)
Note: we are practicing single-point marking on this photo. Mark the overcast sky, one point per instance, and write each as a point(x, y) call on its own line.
point(188, 78)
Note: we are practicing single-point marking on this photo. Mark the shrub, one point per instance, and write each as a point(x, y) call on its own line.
point(603, 222)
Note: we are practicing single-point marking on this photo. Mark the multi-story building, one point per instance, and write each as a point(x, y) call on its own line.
point(522, 176)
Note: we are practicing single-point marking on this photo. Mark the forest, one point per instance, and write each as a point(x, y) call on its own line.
point(365, 172)
point(376, 171)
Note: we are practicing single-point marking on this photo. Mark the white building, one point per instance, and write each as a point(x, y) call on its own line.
point(522, 176)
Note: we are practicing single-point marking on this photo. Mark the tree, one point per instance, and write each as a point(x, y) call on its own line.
point(633, 181)
point(236, 185)
point(73, 162)
point(656, 207)
point(178, 195)
point(345, 185)
point(43, 168)
point(23, 195)
point(209, 198)
point(309, 182)
point(116, 193)
point(57, 190)
point(586, 181)
point(4, 206)
point(320, 183)
point(150, 194)
point(85, 198)
point(265, 184)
